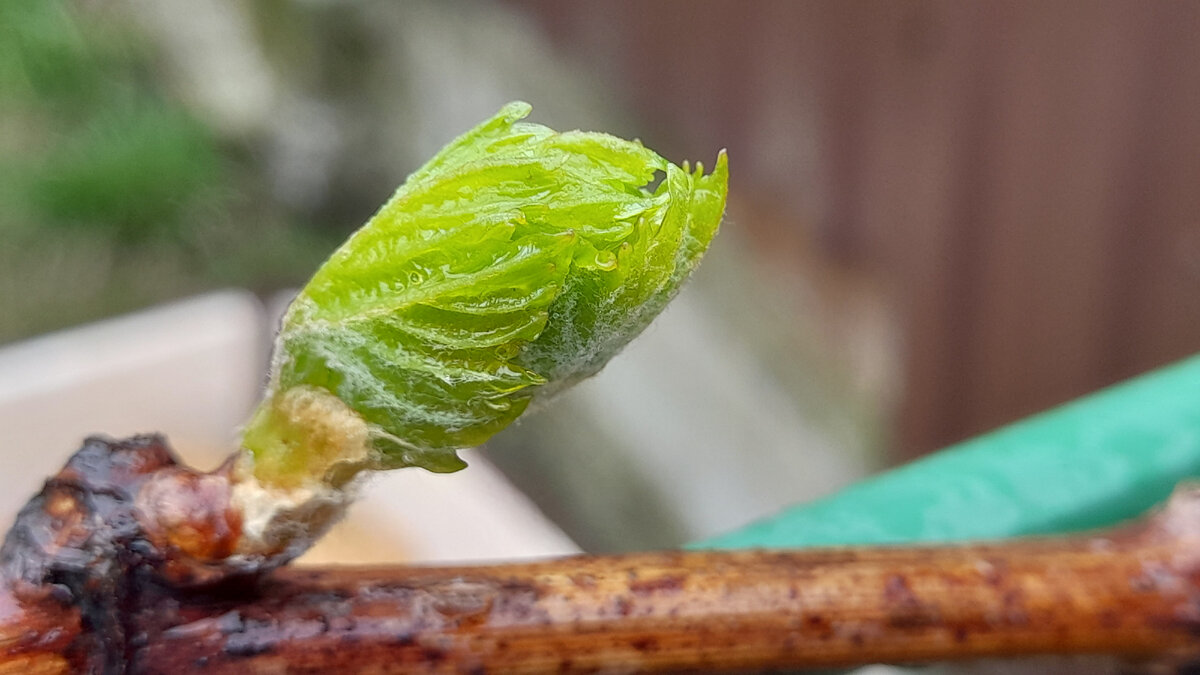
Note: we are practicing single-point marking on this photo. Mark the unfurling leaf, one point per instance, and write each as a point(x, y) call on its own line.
point(513, 264)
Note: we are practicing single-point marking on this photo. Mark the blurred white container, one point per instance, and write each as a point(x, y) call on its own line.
point(193, 370)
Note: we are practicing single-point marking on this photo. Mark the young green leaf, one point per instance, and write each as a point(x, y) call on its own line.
point(513, 264)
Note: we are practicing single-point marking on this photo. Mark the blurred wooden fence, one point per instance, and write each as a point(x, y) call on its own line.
point(1023, 179)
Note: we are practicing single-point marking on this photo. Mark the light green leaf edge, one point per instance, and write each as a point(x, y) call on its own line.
point(513, 264)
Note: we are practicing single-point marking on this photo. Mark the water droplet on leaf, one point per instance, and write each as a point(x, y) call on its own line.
point(606, 260)
point(500, 404)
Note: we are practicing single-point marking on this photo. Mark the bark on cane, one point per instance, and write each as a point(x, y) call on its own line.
point(1133, 592)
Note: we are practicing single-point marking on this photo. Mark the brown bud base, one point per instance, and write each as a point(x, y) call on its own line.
point(110, 570)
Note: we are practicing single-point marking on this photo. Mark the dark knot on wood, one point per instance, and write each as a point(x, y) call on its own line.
point(88, 545)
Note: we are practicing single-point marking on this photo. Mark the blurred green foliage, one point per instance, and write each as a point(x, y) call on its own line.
point(130, 172)
point(113, 195)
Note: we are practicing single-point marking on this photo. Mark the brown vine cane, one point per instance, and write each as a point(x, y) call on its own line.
point(92, 584)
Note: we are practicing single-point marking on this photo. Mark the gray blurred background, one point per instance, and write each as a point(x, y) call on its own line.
point(944, 216)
